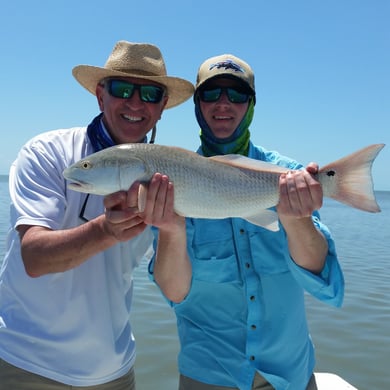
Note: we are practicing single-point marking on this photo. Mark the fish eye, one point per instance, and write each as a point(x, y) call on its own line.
point(86, 165)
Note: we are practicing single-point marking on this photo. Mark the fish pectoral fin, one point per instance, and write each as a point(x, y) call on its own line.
point(142, 194)
point(267, 219)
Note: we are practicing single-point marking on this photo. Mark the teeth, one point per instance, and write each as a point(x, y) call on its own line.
point(222, 117)
point(132, 118)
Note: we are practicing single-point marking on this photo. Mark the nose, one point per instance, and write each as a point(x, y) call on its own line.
point(223, 99)
point(134, 101)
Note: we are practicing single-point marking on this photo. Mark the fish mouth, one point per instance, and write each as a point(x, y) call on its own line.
point(79, 185)
point(75, 184)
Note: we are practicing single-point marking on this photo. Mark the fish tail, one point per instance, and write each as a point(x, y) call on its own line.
point(349, 180)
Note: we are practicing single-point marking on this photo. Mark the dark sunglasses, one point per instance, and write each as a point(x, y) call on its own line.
point(214, 94)
point(124, 90)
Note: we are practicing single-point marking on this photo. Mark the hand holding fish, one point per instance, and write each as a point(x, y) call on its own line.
point(122, 217)
point(126, 214)
point(300, 193)
point(157, 202)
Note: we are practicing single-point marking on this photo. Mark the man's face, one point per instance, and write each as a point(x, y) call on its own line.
point(223, 116)
point(128, 120)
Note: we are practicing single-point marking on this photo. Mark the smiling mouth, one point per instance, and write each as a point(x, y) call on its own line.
point(132, 119)
point(219, 118)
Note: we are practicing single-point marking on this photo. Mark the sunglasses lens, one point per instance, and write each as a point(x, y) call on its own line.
point(213, 95)
point(210, 95)
point(120, 89)
point(237, 96)
point(151, 93)
point(125, 90)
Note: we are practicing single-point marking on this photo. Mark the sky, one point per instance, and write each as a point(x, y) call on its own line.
point(322, 68)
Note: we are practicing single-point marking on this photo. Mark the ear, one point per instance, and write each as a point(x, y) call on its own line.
point(165, 101)
point(99, 96)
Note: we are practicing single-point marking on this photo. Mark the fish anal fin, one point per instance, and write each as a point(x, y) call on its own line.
point(267, 219)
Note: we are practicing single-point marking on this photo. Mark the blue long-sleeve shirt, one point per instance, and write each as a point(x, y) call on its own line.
point(245, 308)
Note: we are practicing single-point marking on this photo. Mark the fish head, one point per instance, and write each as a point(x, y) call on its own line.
point(104, 172)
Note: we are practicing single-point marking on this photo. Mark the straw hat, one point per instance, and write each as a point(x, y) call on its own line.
point(142, 60)
point(226, 65)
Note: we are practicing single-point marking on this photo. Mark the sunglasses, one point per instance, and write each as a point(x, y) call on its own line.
point(124, 90)
point(213, 95)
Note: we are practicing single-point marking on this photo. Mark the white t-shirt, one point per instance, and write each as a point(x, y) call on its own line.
point(73, 326)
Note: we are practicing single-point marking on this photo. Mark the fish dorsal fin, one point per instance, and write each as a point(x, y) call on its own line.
point(239, 161)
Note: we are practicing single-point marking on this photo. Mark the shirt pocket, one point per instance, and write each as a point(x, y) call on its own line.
point(214, 258)
point(216, 270)
point(269, 251)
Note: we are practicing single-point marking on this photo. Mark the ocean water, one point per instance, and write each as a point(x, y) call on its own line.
point(352, 341)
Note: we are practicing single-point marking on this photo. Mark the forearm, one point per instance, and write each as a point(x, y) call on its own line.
point(47, 251)
point(172, 270)
point(307, 245)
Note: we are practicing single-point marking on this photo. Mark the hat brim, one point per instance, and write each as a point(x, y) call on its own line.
point(179, 90)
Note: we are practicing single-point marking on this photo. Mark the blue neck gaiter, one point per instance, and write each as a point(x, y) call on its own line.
point(99, 136)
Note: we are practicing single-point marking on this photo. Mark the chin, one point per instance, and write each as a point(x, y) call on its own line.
point(222, 134)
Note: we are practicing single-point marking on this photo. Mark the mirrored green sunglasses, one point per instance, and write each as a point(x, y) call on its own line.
point(214, 94)
point(122, 89)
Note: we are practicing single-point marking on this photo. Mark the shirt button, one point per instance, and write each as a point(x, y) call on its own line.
point(242, 231)
point(252, 358)
point(252, 298)
point(247, 265)
point(253, 327)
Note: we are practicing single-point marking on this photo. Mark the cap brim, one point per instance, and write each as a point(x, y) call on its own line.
point(243, 82)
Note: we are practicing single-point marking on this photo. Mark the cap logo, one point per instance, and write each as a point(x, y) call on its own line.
point(227, 64)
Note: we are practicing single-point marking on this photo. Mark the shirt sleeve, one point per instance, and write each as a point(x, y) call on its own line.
point(37, 188)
